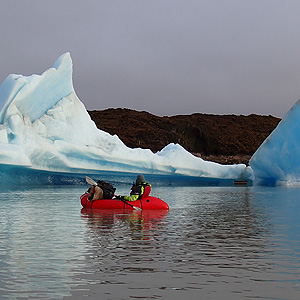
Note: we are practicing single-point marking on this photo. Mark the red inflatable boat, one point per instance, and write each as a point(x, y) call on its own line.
point(148, 202)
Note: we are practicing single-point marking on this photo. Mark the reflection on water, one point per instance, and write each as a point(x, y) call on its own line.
point(214, 243)
point(139, 225)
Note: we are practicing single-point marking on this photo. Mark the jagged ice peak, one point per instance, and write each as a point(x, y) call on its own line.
point(44, 126)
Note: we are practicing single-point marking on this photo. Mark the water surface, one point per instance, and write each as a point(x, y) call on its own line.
point(214, 243)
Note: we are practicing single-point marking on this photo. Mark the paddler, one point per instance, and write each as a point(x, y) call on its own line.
point(139, 189)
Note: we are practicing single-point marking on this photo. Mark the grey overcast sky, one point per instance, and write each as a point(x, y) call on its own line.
point(167, 57)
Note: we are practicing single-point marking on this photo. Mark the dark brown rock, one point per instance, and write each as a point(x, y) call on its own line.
point(220, 138)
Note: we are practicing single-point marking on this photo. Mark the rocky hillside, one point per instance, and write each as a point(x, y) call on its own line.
point(219, 138)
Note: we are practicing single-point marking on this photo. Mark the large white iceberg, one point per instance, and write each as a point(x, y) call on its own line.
point(44, 126)
point(277, 160)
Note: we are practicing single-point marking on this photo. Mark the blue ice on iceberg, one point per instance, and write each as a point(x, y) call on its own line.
point(45, 129)
point(277, 160)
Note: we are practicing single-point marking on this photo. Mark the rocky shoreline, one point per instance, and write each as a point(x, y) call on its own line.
point(226, 139)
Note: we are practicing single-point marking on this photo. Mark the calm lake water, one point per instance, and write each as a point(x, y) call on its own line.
point(214, 243)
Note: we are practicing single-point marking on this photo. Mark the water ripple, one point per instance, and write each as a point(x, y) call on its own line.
point(229, 243)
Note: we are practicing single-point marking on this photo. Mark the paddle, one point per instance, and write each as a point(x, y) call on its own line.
point(90, 181)
point(93, 182)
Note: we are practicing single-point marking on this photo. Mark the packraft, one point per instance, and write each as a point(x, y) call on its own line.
point(145, 203)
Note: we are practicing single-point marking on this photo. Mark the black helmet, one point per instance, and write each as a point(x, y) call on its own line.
point(140, 179)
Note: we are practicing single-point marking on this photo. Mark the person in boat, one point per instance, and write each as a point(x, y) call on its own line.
point(139, 189)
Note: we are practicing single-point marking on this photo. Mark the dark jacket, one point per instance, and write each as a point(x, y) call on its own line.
point(138, 191)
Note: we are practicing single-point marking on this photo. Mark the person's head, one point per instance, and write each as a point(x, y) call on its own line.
point(140, 179)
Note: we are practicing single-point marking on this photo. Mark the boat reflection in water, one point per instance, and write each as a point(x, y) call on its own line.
point(138, 224)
